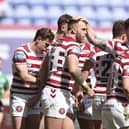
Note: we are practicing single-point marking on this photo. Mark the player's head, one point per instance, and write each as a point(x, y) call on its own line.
point(78, 28)
point(63, 23)
point(43, 38)
point(127, 28)
point(118, 30)
point(43, 34)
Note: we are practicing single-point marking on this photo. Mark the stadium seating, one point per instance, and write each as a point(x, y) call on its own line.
point(21, 11)
point(99, 12)
point(119, 13)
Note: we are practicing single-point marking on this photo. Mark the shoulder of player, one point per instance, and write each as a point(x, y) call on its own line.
point(123, 59)
point(23, 48)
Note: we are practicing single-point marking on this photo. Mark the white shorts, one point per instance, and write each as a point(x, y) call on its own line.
point(115, 114)
point(87, 114)
point(56, 102)
point(98, 102)
point(19, 108)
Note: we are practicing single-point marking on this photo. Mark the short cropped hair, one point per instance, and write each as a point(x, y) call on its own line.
point(72, 22)
point(63, 19)
point(44, 33)
point(118, 28)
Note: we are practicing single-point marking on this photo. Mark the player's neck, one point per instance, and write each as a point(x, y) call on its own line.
point(32, 47)
point(59, 35)
point(71, 35)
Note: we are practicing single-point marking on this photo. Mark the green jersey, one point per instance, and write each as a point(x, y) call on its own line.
point(4, 84)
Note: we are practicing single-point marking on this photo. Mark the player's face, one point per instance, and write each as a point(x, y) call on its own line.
point(81, 32)
point(43, 44)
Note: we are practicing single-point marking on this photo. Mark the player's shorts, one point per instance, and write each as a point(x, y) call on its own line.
point(115, 114)
point(1, 107)
point(19, 107)
point(56, 102)
point(98, 102)
point(87, 114)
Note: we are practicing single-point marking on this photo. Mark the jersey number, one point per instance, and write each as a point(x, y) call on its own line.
point(106, 65)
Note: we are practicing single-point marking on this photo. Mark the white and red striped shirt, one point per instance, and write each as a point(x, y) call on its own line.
point(114, 47)
point(87, 51)
point(104, 62)
point(58, 75)
point(102, 70)
point(24, 55)
point(120, 69)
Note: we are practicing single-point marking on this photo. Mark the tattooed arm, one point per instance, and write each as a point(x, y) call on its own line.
point(77, 74)
point(98, 42)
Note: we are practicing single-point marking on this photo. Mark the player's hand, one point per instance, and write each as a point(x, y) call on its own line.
point(90, 93)
point(81, 18)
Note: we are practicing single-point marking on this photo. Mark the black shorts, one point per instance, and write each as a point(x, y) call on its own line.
point(1, 107)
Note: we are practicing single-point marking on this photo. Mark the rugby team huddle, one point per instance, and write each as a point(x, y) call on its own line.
point(54, 74)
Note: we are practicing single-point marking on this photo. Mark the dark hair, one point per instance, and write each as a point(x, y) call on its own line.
point(118, 28)
point(44, 33)
point(63, 19)
point(126, 24)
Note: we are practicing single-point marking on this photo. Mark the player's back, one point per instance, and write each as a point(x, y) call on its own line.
point(59, 75)
point(120, 69)
point(102, 70)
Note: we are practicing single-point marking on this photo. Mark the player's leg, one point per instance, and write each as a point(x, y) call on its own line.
point(1, 118)
point(18, 112)
point(85, 114)
point(33, 121)
point(34, 116)
point(55, 103)
point(86, 124)
point(98, 124)
point(1, 113)
point(69, 122)
point(19, 122)
point(41, 126)
point(98, 102)
point(53, 123)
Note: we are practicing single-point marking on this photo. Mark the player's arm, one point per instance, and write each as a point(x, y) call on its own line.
point(23, 72)
point(77, 74)
point(20, 65)
point(125, 82)
point(95, 40)
point(43, 74)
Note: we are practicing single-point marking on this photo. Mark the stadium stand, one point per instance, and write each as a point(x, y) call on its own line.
point(99, 12)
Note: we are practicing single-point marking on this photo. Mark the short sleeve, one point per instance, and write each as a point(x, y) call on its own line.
point(125, 71)
point(74, 50)
point(19, 57)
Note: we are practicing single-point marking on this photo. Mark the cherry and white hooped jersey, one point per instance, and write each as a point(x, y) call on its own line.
point(24, 55)
point(120, 69)
point(87, 52)
point(114, 47)
point(58, 75)
point(104, 62)
point(102, 70)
